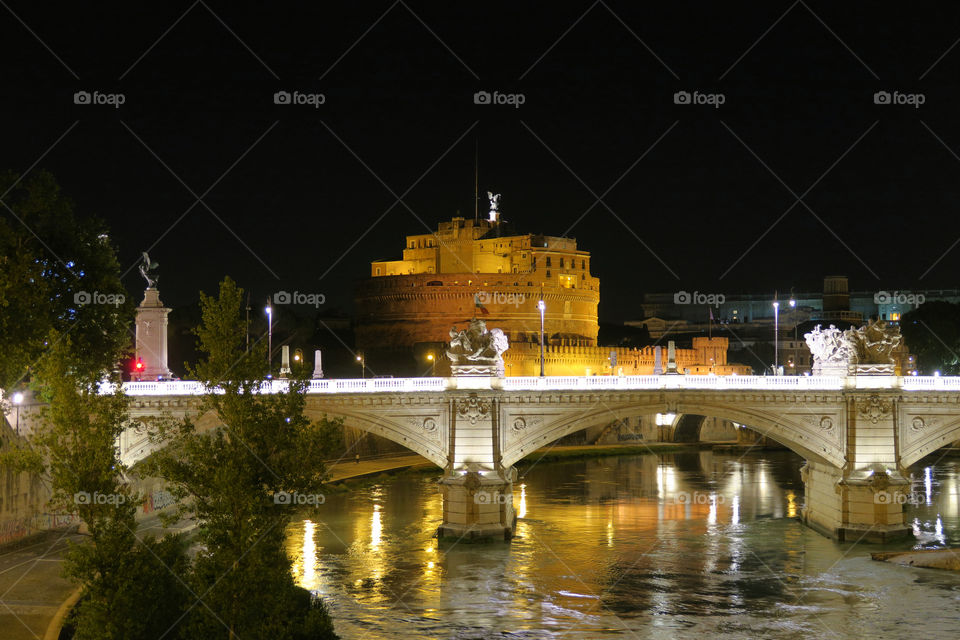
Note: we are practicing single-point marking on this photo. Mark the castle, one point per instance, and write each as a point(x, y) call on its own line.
point(484, 268)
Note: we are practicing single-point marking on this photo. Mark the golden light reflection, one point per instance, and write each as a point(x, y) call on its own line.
point(791, 505)
point(712, 514)
point(522, 510)
point(376, 528)
point(308, 580)
point(610, 533)
point(735, 516)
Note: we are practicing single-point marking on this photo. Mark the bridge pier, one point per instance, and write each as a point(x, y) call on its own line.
point(865, 506)
point(477, 489)
point(478, 505)
point(863, 501)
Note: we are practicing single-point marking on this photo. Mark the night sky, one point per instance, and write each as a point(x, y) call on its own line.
point(694, 197)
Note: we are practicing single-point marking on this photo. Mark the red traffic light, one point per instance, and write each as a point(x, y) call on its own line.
point(139, 365)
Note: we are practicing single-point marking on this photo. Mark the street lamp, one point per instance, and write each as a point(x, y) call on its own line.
point(793, 310)
point(269, 311)
point(776, 334)
point(543, 307)
point(17, 400)
point(433, 364)
point(362, 359)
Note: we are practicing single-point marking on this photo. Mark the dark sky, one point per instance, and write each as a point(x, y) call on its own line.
point(302, 198)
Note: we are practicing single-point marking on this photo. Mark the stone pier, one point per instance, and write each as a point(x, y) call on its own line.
point(863, 501)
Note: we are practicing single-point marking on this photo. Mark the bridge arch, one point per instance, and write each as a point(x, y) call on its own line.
point(420, 432)
point(917, 446)
point(811, 441)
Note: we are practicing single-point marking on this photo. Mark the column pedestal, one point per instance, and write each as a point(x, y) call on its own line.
point(864, 506)
point(477, 506)
point(152, 337)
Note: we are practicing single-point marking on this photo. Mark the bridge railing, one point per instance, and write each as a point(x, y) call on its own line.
point(535, 383)
point(367, 385)
point(673, 382)
point(929, 383)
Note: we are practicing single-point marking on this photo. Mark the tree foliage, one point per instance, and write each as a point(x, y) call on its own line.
point(932, 333)
point(230, 476)
point(128, 587)
point(50, 260)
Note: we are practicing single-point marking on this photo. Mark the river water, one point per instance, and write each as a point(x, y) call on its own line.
point(690, 545)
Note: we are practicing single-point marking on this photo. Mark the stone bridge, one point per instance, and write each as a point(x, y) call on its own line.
point(858, 434)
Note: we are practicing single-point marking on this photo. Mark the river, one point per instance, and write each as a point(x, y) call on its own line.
point(692, 545)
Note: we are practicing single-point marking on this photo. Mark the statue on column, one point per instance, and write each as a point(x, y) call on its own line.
point(146, 267)
point(494, 206)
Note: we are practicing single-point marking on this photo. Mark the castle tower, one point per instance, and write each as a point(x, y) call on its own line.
point(152, 337)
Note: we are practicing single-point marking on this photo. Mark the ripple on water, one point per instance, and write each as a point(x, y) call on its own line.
point(606, 551)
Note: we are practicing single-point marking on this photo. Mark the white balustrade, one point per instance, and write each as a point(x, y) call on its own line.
point(571, 383)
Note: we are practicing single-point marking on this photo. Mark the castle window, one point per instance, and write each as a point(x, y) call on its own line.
point(548, 270)
point(561, 263)
point(548, 262)
point(583, 264)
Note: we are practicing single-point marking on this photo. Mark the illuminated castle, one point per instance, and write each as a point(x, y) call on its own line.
point(483, 268)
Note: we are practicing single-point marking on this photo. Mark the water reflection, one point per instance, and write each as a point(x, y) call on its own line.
point(688, 545)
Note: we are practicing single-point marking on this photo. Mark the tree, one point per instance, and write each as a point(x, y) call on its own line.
point(128, 588)
point(932, 333)
point(58, 273)
point(241, 481)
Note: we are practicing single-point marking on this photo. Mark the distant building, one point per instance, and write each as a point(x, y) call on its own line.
point(749, 319)
point(483, 268)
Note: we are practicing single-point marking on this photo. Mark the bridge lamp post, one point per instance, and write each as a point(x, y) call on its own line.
point(433, 364)
point(17, 401)
point(362, 359)
point(542, 306)
point(269, 311)
point(776, 336)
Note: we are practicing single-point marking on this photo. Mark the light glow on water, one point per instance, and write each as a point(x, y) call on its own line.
point(612, 553)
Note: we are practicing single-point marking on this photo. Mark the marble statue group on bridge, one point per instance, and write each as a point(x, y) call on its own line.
point(867, 350)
